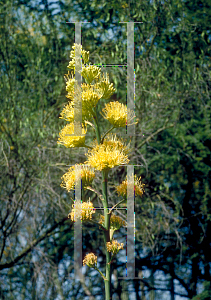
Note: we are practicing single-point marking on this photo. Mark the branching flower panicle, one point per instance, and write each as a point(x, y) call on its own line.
point(118, 114)
point(71, 141)
point(68, 112)
point(86, 174)
point(83, 211)
point(90, 95)
point(107, 150)
point(116, 222)
point(108, 155)
point(106, 87)
point(138, 187)
point(114, 247)
point(69, 109)
point(75, 53)
point(70, 82)
point(90, 73)
point(90, 260)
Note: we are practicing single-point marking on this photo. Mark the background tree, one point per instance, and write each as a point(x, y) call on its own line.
point(173, 103)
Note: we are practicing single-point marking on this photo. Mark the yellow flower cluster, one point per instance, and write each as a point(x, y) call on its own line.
point(115, 222)
point(70, 84)
point(86, 174)
point(90, 95)
point(90, 73)
point(88, 99)
point(109, 154)
point(90, 260)
point(84, 210)
point(114, 247)
point(105, 86)
point(71, 141)
point(87, 94)
point(118, 114)
point(68, 113)
point(75, 53)
point(138, 187)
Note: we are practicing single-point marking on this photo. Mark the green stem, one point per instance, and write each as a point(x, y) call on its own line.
point(106, 235)
point(97, 129)
point(100, 273)
point(107, 133)
point(86, 146)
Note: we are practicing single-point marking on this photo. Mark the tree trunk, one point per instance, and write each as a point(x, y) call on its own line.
point(152, 283)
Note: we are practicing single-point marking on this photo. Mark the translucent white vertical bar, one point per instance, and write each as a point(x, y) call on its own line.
point(130, 75)
point(130, 223)
point(78, 78)
point(78, 228)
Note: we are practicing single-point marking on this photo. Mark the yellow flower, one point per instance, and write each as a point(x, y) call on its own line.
point(114, 247)
point(86, 174)
point(12, 147)
point(72, 87)
point(76, 48)
point(90, 260)
point(115, 222)
point(108, 155)
point(105, 86)
point(90, 95)
point(90, 73)
point(83, 211)
point(71, 141)
point(74, 53)
point(68, 112)
point(70, 82)
point(118, 114)
point(71, 64)
point(138, 187)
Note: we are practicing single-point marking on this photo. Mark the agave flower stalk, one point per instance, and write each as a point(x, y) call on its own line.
point(106, 152)
point(107, 218)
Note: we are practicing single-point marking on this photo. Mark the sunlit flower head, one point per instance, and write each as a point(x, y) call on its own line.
point(114, 247)
point(90, 73)
point(72, 87)
point(85, 173)
point(138, 187)
point(68, 112)
point(71, 141)
point(82, 211)
point(90, 95)
point(105, 86)
point(109, 154)
point(76, 49)
point(118, 114)
point(76, 55)
point(90, 260)
point(70, 82)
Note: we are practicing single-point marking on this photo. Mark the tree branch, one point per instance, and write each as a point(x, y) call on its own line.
point(155, 133)
point(33, 244)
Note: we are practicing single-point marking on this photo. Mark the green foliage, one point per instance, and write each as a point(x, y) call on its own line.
point(172, 63)
point(206, 294)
